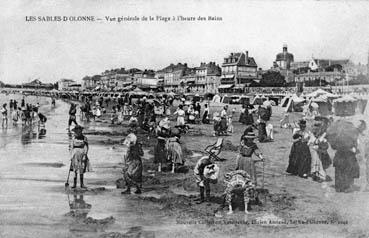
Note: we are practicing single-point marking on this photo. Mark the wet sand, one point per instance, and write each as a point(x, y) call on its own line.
point(34, 202)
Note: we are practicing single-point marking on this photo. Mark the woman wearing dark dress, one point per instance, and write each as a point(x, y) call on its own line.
point(245, 161)
point(205, 116)
point(160, 152)
point(132, 171)
point(300, 158)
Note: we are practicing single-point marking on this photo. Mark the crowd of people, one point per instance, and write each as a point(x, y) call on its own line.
point(21, 113)
point(308, 157)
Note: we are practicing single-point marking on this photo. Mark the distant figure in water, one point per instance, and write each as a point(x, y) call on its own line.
point(79, 161)
point(15, 116)
point(72, 115)
point(4, 114)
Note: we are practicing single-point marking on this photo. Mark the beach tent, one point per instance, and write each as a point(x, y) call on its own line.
point(295, 104)
point(324, 105)
point(258, 100)
point(216, 98)
point(345, 106)
point(321, 92)
point(361, 105)
point(138, 91)
point(285, 100)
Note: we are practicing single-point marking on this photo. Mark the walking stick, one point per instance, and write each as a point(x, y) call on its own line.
point(263, 177)
point(67, 183)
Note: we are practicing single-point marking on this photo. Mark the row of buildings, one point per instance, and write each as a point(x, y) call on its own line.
point(236, 73)
point(315, 69)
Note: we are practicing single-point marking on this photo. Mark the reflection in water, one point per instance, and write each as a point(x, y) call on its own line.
point(26, 135)
point(32, 132)
point(81, 223)
point(41, 131)
point(78, 207)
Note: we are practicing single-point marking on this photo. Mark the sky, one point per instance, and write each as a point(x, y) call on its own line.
point(71, 49)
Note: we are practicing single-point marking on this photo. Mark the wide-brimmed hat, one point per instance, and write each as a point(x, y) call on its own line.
point(250, 135)
point(77, 128)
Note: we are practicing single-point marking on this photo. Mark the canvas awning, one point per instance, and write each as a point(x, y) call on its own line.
point(346, 98)
point(228, 76)
point(226, 86)
point(239, 87)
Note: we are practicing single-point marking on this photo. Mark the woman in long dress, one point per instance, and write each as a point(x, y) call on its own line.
point(175, 155)
point(245, 161)
point(132, 170)
point(79, 161)
point(180, 116)
point(160, 152)
point(205, 116)
point(318, 148)
point(300, 158)
point(242, 118)
point(223, 121)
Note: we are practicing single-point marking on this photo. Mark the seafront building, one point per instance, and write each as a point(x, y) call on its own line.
point(283, 63)
point(238, 71)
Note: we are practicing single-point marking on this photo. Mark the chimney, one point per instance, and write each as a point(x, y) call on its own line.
point(247, 56)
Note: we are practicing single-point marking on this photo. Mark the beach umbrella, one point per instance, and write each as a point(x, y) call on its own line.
point(342, 134)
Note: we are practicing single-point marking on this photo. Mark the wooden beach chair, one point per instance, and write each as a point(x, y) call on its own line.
point(215, 149)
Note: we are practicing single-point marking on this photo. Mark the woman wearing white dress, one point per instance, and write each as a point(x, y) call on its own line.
point(180, 116)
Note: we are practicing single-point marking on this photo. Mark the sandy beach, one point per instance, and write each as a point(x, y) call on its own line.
point(34, 200)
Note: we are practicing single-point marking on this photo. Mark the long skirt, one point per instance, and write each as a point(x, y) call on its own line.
point(316, 165)
point(205, 119)
point(242, 118)
point(78, 161)
point(180, 121)
point(160, 153)
point(346, 170)
point(299, 160)
point(249, 119)
point(133, 174)
point(262, 134)
point(175, 153)
point(223, 125)
point(247, 164)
